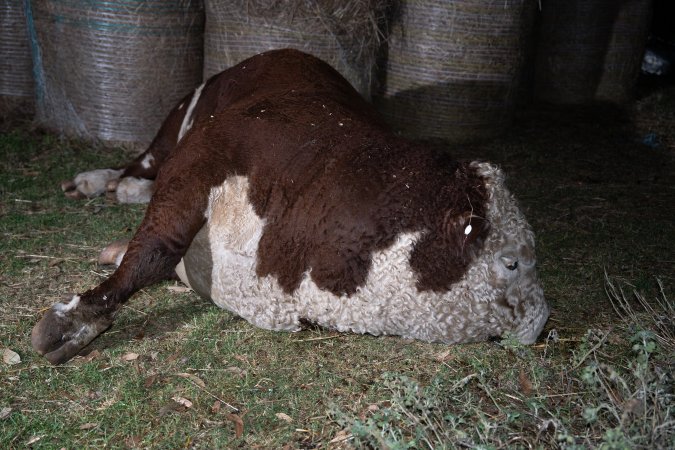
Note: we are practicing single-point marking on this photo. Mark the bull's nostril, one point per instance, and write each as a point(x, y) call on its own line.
point(512, 266)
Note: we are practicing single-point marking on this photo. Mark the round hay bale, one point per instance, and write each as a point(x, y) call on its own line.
point(16, 66)
point(113, 69)
point(626, 50)
point(453, 67)
point(590, 49)
point(344, 33)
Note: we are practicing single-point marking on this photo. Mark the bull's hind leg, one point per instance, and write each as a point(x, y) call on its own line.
point(133, 183)
point(173, 218)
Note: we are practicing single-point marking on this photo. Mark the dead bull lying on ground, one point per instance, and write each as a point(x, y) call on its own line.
point(281, 196)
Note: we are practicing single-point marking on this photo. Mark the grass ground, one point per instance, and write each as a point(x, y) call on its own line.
point(174, 371)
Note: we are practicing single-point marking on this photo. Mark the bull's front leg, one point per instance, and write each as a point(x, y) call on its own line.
point(174, 216)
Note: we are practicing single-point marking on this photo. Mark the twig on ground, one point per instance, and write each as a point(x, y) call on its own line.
point(212, 395)
point(322, 338)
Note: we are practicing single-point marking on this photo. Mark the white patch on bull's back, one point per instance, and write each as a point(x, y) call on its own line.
point(147, 161)
point(388, 302)
point(134, 190)
point(62, 308)
point(188, 120)
point(94, 182)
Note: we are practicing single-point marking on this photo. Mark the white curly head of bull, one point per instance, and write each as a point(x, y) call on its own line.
point(516, 294)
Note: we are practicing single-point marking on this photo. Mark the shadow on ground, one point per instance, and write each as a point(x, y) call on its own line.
point(597, 184)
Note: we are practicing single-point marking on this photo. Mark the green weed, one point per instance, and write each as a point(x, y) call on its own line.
point(610, 403)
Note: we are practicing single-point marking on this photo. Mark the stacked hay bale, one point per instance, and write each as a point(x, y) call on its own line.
point(16, 67)
point(345, 34)
point(453, 67)
point(625, 52)
point(113, 69)
point(590, 49)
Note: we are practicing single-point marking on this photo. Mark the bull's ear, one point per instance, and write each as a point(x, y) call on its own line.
point(473, 228)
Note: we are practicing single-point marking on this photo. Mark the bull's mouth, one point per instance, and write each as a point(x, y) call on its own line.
point(529, 333)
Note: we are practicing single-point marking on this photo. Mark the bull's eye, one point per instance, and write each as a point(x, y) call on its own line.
point(513, 265)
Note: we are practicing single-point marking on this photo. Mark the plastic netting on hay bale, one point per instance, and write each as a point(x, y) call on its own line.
point(590, 49)
point(344, 33)
point(113, 69)
point(16, 66)
point(452, 67)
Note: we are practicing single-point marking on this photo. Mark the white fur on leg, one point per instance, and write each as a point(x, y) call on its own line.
point(188, 120)
point(94, 182)
point(134, 190)
point(147, 161)
point(62, 308)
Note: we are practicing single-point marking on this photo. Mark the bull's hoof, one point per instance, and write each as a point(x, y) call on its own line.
point(69, 189)
point(65, 330)
point(134, 190)
point(68, 185)
point(90, 184)
point(114, 253)
point(75, 195)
